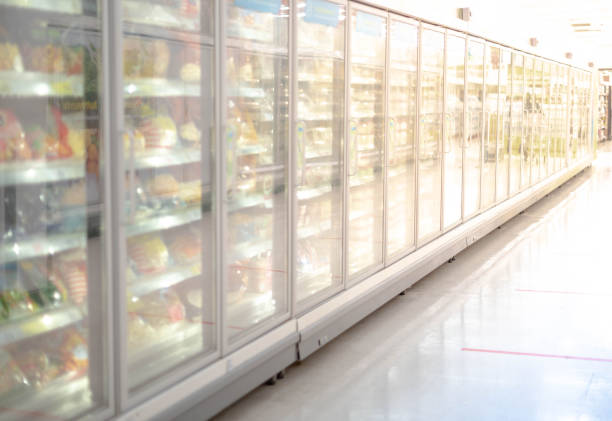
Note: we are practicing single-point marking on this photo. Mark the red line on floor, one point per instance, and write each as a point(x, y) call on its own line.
point(534, 354)
point(548, 291)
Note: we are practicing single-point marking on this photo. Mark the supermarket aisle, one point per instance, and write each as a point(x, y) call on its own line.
point(517, 328)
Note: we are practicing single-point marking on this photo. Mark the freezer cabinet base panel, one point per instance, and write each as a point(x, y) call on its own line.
point(346, 309)
point(240, 386)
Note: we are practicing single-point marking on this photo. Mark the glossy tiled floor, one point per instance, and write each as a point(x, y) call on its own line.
point(519, 327)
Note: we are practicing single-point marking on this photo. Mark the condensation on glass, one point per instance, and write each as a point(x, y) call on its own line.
point(366, 141)
point(401, 136)
point(168, 204)
point(53, 289)
point(430, 134)
point(257, 111)
point(319, 134)
point(474, 120)
point(453, 131)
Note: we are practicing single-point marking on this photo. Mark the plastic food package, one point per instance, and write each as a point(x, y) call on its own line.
point(133, 139)
point(185, 246)
point(164, 185)
point(10, 58)
point(13, 144)
point(159, 132)
point(149, 253)
point(11, 377)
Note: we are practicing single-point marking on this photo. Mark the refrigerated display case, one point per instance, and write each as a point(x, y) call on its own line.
point(366, 140)
point(53, 284)
point(491, 121)
point(472, 163)
point(191, 189)
point(429, 200)
point(319, 132)
point(168, 208)
point(256, 105)
point(504, 126)
point(453, 132)
point(518, 115)
point(401, 136)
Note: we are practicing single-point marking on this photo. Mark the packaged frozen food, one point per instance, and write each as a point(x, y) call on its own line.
point(185, 246)
point(13, 144)
point(11, 377)
point(10, 58)
point(190, 72)
point(16, 303)
point(57, 143)
point(133, 139)
point(164, 185)
point(144, 58)
point(47, 58)
point(140, 333)
point(73, 57)
point(148, 253)
point(74, 274)
point(162, 308)
point(73, 352)
point(190, 133)
point(159, 132)
point(132, 57)
point(36, 365)
point(191, 193)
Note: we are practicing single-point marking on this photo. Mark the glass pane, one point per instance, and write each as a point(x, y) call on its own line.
point(564, 127)
point(558, 121)
point(430, 140)
point(366, 142)
point(320, 146)
point(528, 123)
point(257, 83)
point(538, 123)
point(401, 136)
point(168, 95)
point(546, 124)
point(52, 288)
point(491, 126)
point(474, 119)
point(504, 129)
point(453, 144)
point(516, 133)
point(574, 118)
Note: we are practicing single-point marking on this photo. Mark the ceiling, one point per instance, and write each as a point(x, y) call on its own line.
point(582, 27)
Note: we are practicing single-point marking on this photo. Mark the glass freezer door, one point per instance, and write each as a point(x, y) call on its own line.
point(491, 121)
point(474, 120)
point(168, 203)
point(516, 145)
point(368, 34)
point(528, 117)
point(401, 136)
point(504, 129)
point(320, 148)
point(430, 134)
point(53, 338)
point(454, 121)
point(256, 139)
